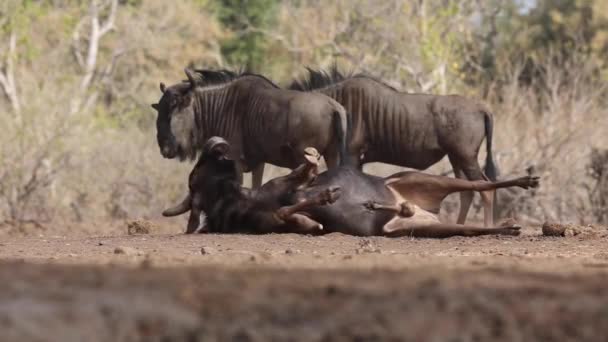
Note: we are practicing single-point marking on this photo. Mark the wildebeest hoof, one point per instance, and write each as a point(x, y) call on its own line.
point(330, 195)
point(312, 155)
point(509, 223)
point(407, 209)
point(512, 231)
point(371, 205)
point(529, 182)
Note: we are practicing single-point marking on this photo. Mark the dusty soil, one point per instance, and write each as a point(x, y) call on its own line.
point(154, 283)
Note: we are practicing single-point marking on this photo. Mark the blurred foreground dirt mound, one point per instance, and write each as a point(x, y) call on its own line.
point(68, 303)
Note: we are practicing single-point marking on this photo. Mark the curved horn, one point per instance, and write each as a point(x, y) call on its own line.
point(191, 76)
point(216, 144)
point(179, 209)
point(162, 87)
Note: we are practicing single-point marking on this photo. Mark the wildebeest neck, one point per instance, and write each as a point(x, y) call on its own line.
point(214, 114)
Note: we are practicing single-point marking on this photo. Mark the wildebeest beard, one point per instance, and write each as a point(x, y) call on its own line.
point(189, 146)
point(190, 151)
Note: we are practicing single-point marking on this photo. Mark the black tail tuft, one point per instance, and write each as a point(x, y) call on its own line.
point(340, 132)
point(342, 125)
point(490, 169)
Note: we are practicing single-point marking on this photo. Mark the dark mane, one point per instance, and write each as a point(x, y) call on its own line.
point(318, 79)
point(210, 77)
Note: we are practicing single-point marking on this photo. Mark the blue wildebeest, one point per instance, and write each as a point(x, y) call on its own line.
point(262, 123)
point(406, 203)
point(412, 130)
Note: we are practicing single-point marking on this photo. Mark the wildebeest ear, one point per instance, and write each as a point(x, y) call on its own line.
point(162, 87)
point(155, 106)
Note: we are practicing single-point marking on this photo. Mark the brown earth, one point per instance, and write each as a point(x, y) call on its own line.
point(123, 287)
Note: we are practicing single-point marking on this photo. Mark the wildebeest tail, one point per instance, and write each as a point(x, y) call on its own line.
point(490, 168)
point(341, 123)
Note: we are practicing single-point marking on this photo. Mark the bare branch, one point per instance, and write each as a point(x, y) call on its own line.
point(109, 24)
point(98, 30)
point(76, 43)
point(7, 77)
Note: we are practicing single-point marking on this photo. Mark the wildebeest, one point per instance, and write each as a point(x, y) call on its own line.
point(262, 122)
point(406, 203)
point(214, 189)
point(412, 130)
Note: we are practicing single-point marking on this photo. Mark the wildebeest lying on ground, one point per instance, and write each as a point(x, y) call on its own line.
point(262, 123)
point(342, 199)
point(412, 130)
point(231, 208)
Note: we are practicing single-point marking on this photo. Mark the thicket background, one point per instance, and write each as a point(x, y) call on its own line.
point(77, 77)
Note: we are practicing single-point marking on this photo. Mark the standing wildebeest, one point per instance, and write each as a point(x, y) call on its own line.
point(406, 203)
point(262, 123)
point(412, 130)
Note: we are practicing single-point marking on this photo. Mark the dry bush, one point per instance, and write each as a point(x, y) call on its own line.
point(79, 141)
point(412, 45)
point(598, 187)
point(549, 130)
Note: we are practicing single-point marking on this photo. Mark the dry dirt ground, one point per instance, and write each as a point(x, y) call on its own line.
point(158, 284)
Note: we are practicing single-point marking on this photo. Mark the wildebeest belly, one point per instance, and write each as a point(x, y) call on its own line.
point(283, 143)
point(409, 139)
point(348, 214)
point(417, 159)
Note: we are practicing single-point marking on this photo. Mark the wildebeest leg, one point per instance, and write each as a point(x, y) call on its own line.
point(303, 223)
point(408, 227)
point(428, 191)
point(470, 167)
point(332, 155)
point(289, 214)
point(257, 175)
point(329, 195)
point(194, 220)
point(306, 172)
point(331, 160)
point(239, 171)
point(466, 197)
point(405, 208)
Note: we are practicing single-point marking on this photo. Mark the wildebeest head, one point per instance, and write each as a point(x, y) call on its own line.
point(214, 175)
point(176, 123)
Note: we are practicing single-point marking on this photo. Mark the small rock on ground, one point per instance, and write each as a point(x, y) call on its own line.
point(569, 230)
point(207, 250)
point(126, 251)
point(139, 227)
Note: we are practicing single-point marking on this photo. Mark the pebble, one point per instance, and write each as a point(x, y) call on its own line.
point(139, 227)
point(207, 250)
point(125, 251)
